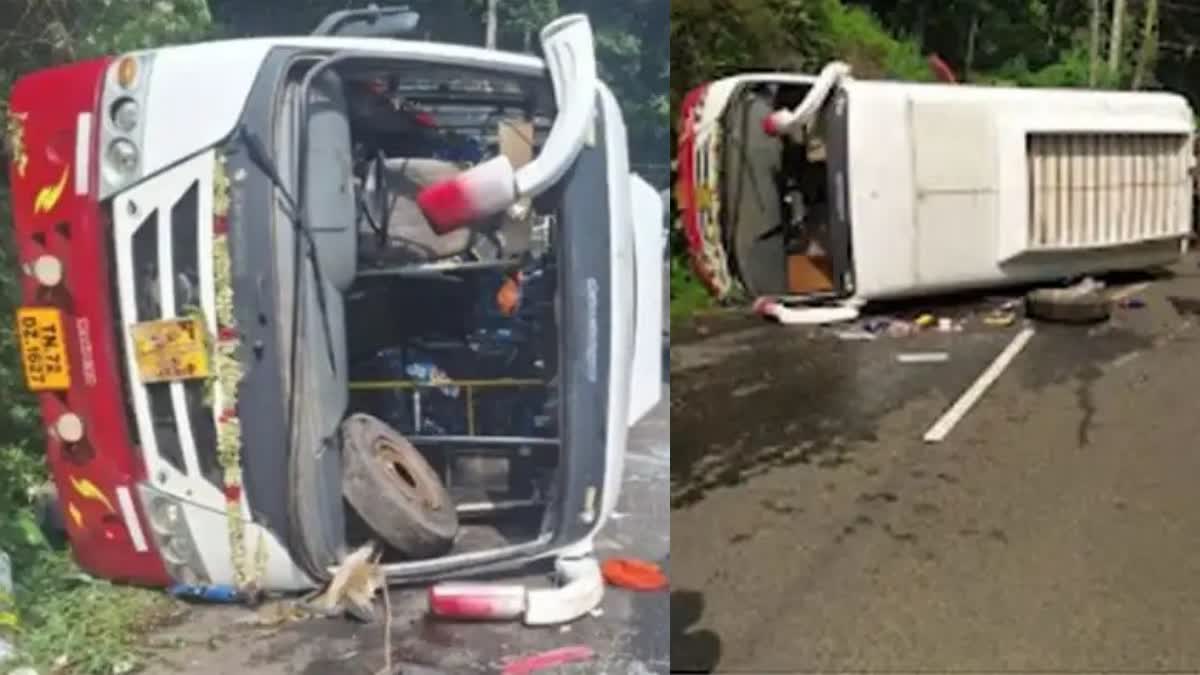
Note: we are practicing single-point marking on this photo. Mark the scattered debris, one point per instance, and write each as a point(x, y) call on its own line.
point(277, 613)
point(633, 574)
point(222, 594)
point(1131, 303)
point(1123, 293)
point(855, 334)
point(963, 405)
point(353, 586)
point(551, 659)
point(477, 601)
point(808, 315)
point(1000, 318)
point(876, 326)
point(923, 357)
point(387, 632)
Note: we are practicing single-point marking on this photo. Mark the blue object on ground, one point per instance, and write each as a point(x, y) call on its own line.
point(222, 594)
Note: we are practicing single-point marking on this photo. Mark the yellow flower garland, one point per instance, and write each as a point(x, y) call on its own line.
point(223, 390)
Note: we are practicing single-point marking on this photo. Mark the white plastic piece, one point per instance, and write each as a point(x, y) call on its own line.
point(810, 316)
point(130, 516)
point(580, 591)
point(69, 427)
point(621, 318)
point(571, 59)
point(48, 270)
point(83, 152)
point(782, 122)
point(646, 388)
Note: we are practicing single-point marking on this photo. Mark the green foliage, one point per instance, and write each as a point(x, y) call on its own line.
point(94, 624)
point(90, 625)
point(859, 38)
point(21, 464)
point(687, 295)
point(41, 33)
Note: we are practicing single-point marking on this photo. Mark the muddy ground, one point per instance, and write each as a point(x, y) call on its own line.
point(629, 636)
point(1055, 529)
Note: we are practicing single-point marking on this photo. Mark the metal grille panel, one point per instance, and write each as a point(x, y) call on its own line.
point(1101, 190)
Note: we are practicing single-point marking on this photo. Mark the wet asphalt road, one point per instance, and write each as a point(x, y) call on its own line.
point(1056, 528)
point(629, 636)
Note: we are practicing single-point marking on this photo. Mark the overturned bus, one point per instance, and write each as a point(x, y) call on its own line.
point(829, 188)
point(283, 296)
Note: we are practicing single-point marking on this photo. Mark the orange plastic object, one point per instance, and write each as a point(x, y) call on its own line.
point(637, 575)
point(509, 295)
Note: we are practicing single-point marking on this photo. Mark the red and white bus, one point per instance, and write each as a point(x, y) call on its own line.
point(264, 278)
point(827, 187)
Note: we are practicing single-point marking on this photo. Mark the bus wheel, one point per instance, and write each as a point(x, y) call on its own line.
point(1068, 305)
point(395, 490)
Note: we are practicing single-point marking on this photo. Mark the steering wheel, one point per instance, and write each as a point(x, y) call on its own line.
point(375, 169)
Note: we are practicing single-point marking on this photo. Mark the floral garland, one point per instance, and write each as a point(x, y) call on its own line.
point(223, 390)
point(714, 253)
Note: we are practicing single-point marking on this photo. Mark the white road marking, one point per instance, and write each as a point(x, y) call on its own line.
point(1126, 358)
point(971, 396)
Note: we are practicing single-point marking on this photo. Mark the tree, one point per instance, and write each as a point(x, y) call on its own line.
point(1114, 43)
point(1149, 44)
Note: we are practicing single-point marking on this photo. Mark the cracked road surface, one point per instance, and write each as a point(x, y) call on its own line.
point(1056, 528)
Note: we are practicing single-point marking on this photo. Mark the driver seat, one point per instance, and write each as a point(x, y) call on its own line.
point(407, 236)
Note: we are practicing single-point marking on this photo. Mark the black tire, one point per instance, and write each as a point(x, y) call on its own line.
point(395, 490)
point(1064, 305)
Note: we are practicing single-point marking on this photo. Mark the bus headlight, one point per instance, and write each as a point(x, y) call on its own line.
point(178, 550)
point(124, 114)
point(165, 516)
point(122, 156)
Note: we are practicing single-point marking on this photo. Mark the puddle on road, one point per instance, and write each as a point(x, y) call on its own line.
point(777, 399)
point(801, 402)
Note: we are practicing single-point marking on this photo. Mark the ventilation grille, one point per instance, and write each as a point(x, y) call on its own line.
point(1101, 190)
point(164, 256)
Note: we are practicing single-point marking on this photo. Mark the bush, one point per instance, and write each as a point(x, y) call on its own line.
point(92, 623)
point(859, 38)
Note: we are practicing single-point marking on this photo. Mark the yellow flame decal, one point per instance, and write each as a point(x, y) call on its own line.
point(88, 490)
point(75, 514)
point(47, 198)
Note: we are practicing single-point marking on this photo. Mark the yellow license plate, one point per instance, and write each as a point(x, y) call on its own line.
point(171, 350)
point(43, 349)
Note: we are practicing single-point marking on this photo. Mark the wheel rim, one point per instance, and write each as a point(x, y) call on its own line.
point(402, 476)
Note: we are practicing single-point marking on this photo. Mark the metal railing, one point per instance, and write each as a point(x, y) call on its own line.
point(468, 386)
